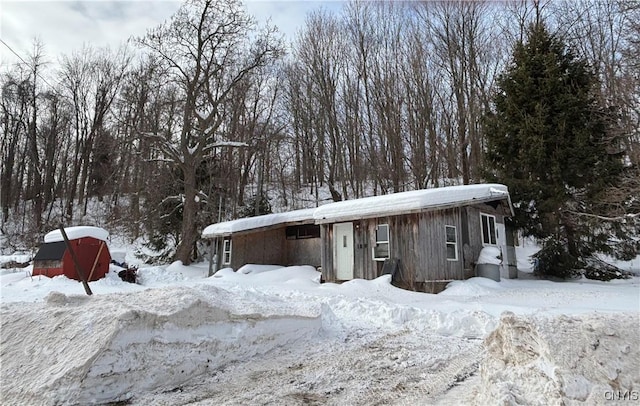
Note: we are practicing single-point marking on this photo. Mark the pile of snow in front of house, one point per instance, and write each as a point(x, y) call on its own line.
point(586, 359)
point(87, 350)
point(277, 335)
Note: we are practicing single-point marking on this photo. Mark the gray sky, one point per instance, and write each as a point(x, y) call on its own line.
point(64, 26)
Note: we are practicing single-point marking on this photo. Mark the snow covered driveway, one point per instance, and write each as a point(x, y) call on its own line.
point(280, 337)
point(374, 369)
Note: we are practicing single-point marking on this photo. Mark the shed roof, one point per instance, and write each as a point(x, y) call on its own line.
point(368, 207)
point(251, 223)
point(74, 233)
point(51, 251)
point(413, 201)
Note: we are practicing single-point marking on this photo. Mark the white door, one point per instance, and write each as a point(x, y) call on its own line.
point(343, 250)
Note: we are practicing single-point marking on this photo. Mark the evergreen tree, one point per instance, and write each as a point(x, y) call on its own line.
point(548, 141)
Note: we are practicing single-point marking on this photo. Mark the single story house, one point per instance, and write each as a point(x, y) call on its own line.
point(89, 245)
point(424, 238)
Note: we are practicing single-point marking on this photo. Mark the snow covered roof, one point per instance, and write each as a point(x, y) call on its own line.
point(376, 206)
point(251, 223)
point(413, 201)
point(73, 233)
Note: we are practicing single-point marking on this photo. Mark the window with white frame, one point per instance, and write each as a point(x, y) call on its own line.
point(381, 248)
point(452, 243)
point(226, 251)
point(488, 223)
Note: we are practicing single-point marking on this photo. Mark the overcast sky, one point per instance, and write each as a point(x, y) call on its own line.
point(63, 26)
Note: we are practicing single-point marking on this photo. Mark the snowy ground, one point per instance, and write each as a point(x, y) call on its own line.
point(274, 336)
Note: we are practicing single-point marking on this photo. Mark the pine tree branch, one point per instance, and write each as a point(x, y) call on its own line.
point(605, 218)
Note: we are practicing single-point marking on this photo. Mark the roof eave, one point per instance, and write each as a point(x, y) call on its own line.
point(460, 203)
point(257, 229)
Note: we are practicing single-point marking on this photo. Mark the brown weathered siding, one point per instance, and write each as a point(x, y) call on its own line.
point(418, 241)
point(425, 258)
point(266, 247)
point(326, 252)
point(303, 252)
point(475, 229)
point(271, 247)
point(365, 266)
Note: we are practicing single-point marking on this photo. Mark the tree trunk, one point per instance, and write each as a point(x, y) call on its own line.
point(188, 232)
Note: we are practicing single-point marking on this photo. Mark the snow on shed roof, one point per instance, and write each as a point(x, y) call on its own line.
point(251, 223)
point(406, 202)
point(376, 206)
point(74, 233)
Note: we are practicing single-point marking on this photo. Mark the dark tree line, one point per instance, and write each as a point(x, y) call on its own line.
point(211, 115)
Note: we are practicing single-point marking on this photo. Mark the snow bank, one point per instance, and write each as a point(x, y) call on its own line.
point(255, 268)
point(472, 287)
point(262, 275)
point(74, 233)
point(592, 359)
point(107, 348)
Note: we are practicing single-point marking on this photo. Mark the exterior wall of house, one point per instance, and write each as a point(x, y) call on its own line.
point(505, 238)
point(303, 252)
point(270, 247)
point(265, 247)
point(419, 242)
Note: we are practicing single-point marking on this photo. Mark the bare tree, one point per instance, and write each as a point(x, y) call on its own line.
point(319, 51)
point(463, 50)
point(15, 111)
point(206, 47)
point(90, 82)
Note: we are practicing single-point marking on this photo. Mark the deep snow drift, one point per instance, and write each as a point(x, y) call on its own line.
point(269, 335)
point(86, 350)
point(566, 360)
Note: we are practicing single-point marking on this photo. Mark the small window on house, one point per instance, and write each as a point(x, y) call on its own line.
point(226, 252)
point(302, 231)
point(452, 243)
point(381, 249)
point(488, 229)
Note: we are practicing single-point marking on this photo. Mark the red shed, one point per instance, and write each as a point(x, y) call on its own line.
point(88, 243)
